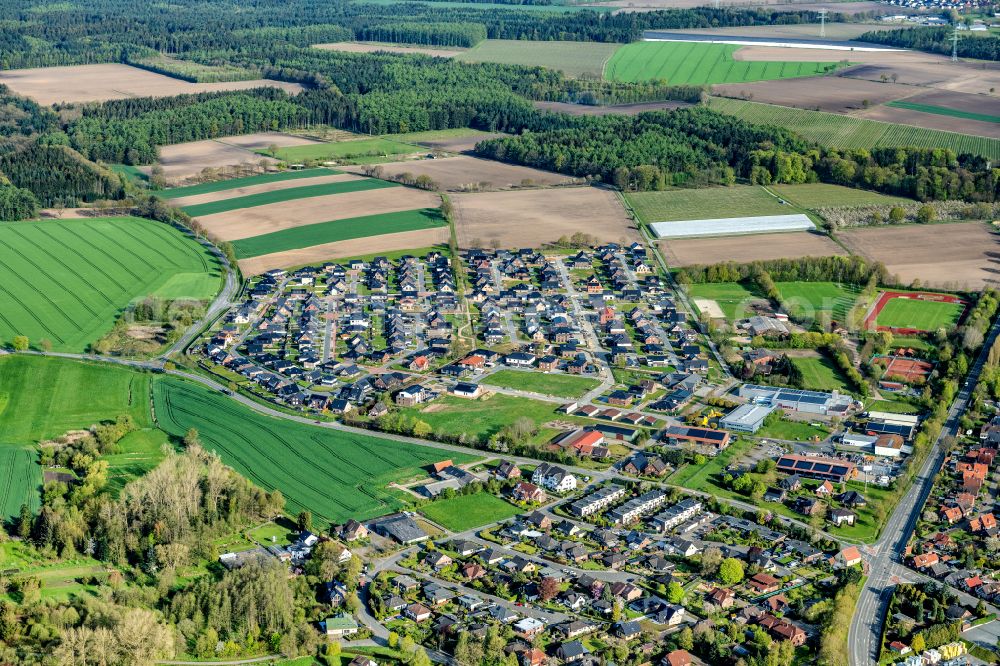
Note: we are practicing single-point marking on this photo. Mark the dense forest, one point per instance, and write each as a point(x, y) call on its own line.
point(938, 40)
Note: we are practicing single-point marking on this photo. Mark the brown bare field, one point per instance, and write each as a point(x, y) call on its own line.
point(375, 47)
point(209, 197)
point(350, 248)
point(958, 255)
point(929, 70)
point(531, 218)
point(461, 144)
point(625, 109)
point(461, 172)
point(787, 54)
point(262, 140)
point(743, 249)
point(181, 161)
point(932, 121)
point(834, 31)
point(829, 93)
point(259, 220)
point(958, 100)
point(98, 83)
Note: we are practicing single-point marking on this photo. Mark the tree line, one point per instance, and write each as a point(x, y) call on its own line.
point(937, 40)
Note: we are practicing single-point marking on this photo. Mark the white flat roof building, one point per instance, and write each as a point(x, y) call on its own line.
point(732, 226)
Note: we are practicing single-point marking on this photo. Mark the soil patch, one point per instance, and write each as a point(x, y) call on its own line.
point(829, 93)
point(375, 47)
point(209, 197)
point(744, 249)
point(464, 173)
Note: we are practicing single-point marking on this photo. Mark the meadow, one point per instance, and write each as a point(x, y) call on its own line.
point(138, 453)
point(572, 58)
point(65, 281)
point(340, 150)
point(810, 299)
point(464, 512)
point(336, 475)
point(233, 183)
point(919, 315)
point(328, 232)
point(281, 196)
point(698, 63)
point(564, 386)
point(944, 111)
point(838, 131)
point(821, 195)
point(708, 203)
point(20, 481)
point(731, 297)
point(820, 374)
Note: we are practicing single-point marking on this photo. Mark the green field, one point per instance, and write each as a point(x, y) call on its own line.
point(564, 386)
point(572, 58)
point(42, 398)
point(732, 297)
point(291, 194)
point(338, 230)
point(66, 281)
point(222, 185)
point(944, 111)
point(811, 299)
point(699, 63)
point(335, 474)
point(20, 481)
point(715, 202)
point(139, 452)
point(919, 315)
point(820, 195)
point(555, 8)
point(838, 131)
point(434, 135)
point(820, 374)
point(464, 512)
point(339, 150)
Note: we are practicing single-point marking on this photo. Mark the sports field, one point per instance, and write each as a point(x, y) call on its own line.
point(43, 398)
point(20, 481)
point(820, 374)
point(811, 299)
point(571, 58)
point(334, 474)
point(944, 111)
point(328, 232)
point(839, 131)
point(65, 281)
point(920, 315)
point(564, 386)
point(708, 203)
point(699, 63)
point(731, 297)
point(463, 512)
point(281, 196)
point(821, 195)
point(233, 183)
point(373, 147)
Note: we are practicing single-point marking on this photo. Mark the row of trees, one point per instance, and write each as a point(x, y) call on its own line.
point(937, 40)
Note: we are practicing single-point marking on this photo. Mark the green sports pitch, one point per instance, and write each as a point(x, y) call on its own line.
point(919, 315)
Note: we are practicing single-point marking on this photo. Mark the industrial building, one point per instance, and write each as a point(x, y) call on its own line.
point(796, 400)
point(746, 418)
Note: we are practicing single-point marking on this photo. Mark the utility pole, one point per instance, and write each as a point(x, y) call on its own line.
point(954, 45)
point(822, 23)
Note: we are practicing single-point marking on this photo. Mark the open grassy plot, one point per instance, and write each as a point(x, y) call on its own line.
point(65, 281)
point(20, 481)
point(731, 297)
point(222, 185)
point(698, 63)
point(910, 313)
point(813, 299)
point(839, 131)
point(334, 474)
point(373, 147)
point(944, 111)
point(280, 196)
point(699, 477)
point(701, 204)
point(820, 374)
point(338, 230)
point(42, 398)
point(818, 195)
point(572, 58)
point(564, 386)
point(139, 452)
point(463, 512)
point(893, 407)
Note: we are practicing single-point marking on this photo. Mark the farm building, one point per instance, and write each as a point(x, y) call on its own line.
point(732, 226)
point(746, 418)
point(795, 400)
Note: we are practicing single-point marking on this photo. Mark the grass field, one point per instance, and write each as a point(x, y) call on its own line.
point(464, 512)
point(371, 147)
point(434, 135)
point(837, 131)
point(20, 481)
point(564, 386)
point(336, 475)
point(819, 195)
point(139, 452)
point(682, 204)
point(291, 194)
point(893, 407)
point(944, 111)
point(222, 185)
point(42, 398)
point(338, 230)
point(65, 281)
point(572, 58)
point(920, 315)
point(732, 297)
point(820, 374)
point(811, 299)
point(697, 63)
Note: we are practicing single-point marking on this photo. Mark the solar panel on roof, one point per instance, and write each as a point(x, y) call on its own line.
point(821, 467)
point(803, 464)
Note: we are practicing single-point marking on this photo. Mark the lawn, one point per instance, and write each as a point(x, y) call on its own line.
point(222, 185)
point(21, 481)
point(893, 407)
point(792, 430)
point(338, 230)
point(291, 194)
point(341, 150)
point(138, 453)
point(66, 281)
point(808, 300)
point(434, 135)
point(698, 477)
point(821, 195)
point(43, 398)
point(732, 297)
point(820, 374)
point(564, 386)
point(919, 315)
point(335, 474)
point(572, 58)
point(715, 202)
point(698, 63)
point(464, 512)
point(944, 111)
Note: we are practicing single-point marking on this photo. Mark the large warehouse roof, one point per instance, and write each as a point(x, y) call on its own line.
point(730, 226)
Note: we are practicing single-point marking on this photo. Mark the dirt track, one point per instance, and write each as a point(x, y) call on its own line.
point(457, 173)
point(209, 197)
point(98, 83)
point(361, 47)
point(531, 218)
point(744, 249)
point(247, 222)
point(351, 248)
